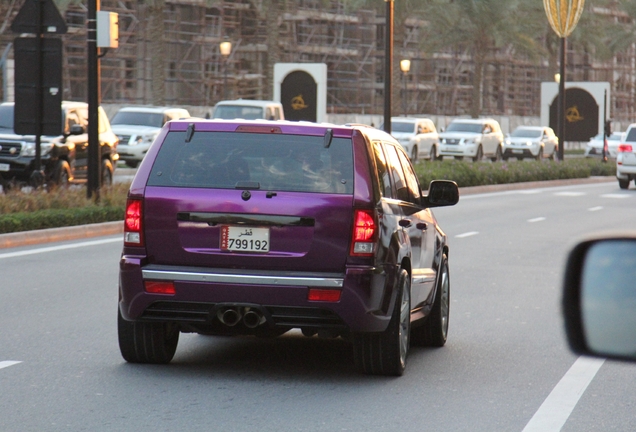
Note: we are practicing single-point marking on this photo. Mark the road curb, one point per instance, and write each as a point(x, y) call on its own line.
point(50, 235)
point(472, 190)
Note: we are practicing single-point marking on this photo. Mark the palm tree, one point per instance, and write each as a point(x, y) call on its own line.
point(479, 28)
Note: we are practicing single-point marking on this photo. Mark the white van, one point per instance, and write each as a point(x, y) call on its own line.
point(248, 110)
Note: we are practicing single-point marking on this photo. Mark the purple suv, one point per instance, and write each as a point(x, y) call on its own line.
point(257, 227)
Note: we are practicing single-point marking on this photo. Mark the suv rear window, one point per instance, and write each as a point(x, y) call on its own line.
point(229, 160)
point(631, 136)
point(138, 118)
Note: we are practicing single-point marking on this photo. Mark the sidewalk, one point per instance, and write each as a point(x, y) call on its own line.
point(111, 228)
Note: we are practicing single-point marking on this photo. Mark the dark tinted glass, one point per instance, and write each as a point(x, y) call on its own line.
point(383, 173)
point(6, 117)
point(632, 135)
point(138, 118)
point(397, 126)
point(275, 162)
point(526, 133)
point(230, 112)
point(464, 127)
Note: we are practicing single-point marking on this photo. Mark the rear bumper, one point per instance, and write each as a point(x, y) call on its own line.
point(282, 296)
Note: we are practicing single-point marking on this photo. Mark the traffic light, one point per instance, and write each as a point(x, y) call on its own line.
point(608, 128)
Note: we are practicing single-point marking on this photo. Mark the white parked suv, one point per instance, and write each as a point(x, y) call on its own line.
point(418, 137)
point(474, 138)
point(137, 128)
point(534, 142)
point(626, 158)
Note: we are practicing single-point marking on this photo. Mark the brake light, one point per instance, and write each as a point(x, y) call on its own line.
point(325, 295)
point(159, 287)
point(364, 233)
point(625, 148)
point(132, 223)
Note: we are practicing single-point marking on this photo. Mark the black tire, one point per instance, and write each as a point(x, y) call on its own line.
point(141, 342)
point(498, 155)
point(434, 156)
point(414, 154)
point(434, 332)
point(385, 353)
point(132, 164)
point(62, 173)
point(479, 155)
point(539, 156)
point(107, 173)
point(623, 184)
point(552, 156)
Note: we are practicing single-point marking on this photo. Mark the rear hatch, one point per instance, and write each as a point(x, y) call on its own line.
point(256, 199)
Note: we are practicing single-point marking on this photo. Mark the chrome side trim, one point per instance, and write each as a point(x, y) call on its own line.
point(243, 279)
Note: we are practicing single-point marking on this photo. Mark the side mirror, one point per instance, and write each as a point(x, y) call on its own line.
point(77, 129)
point(599, 297)
point(441, 193)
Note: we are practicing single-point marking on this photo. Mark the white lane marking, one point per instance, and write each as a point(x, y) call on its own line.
point(530, 191)
point(4, 364)
point(467, 234)
point(61, 247)
point(546, 189)
point(619, 196)
point(570, 194)
point(556, 409)
point(595, 208)
point(537, 219)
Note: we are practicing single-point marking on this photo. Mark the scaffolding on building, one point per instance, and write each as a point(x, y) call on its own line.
point(349, 42)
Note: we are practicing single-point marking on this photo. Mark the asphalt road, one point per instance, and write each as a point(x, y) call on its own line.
point(506, 366)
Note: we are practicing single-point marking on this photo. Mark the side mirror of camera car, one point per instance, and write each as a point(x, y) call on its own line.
point(441, 193)
point(599, 297)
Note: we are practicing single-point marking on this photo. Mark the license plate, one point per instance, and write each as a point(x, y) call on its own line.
point(4, 167)
point(517, 151)
point(242, 239)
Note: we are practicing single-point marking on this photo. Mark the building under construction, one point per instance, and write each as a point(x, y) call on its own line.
point(193, 72)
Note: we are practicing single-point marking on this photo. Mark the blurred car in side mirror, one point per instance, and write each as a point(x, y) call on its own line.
point(599, 297)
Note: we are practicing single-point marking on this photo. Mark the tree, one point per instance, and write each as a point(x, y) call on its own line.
point(479, 28)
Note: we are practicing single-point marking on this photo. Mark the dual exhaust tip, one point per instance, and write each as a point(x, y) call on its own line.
point(232, 315)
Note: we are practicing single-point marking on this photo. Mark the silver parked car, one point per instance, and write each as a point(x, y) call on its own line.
point(626, 158)
point(594, 148)
point(536, 142)
point(418, 137)
point(474, 138)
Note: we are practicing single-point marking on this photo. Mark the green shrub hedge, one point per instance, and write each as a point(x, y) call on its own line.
point(487, 173)
point(54, 218)
point(28, 210)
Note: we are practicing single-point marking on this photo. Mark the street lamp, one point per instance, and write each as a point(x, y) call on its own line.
point(388, 64)
point(226, 49)
point(563, 15)
point(405, 67)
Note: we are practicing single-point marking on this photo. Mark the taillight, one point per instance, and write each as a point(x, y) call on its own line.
point(324, 295)
point(159, 287)
point(132, 223)
point(364, 233)
point(625, 148)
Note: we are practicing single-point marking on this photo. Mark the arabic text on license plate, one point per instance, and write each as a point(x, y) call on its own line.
point(242, 239)
point(4, 167)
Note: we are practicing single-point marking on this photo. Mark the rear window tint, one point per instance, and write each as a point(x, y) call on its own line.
point(631, 136)
point(227, 160)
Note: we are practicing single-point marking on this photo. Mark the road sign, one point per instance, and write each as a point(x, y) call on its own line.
point(52, 21)
point(26, 85)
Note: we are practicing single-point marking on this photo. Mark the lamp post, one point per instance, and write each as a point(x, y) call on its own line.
point(563, 15)
point(388, 64)
point(405, 67)
point(226, 49)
